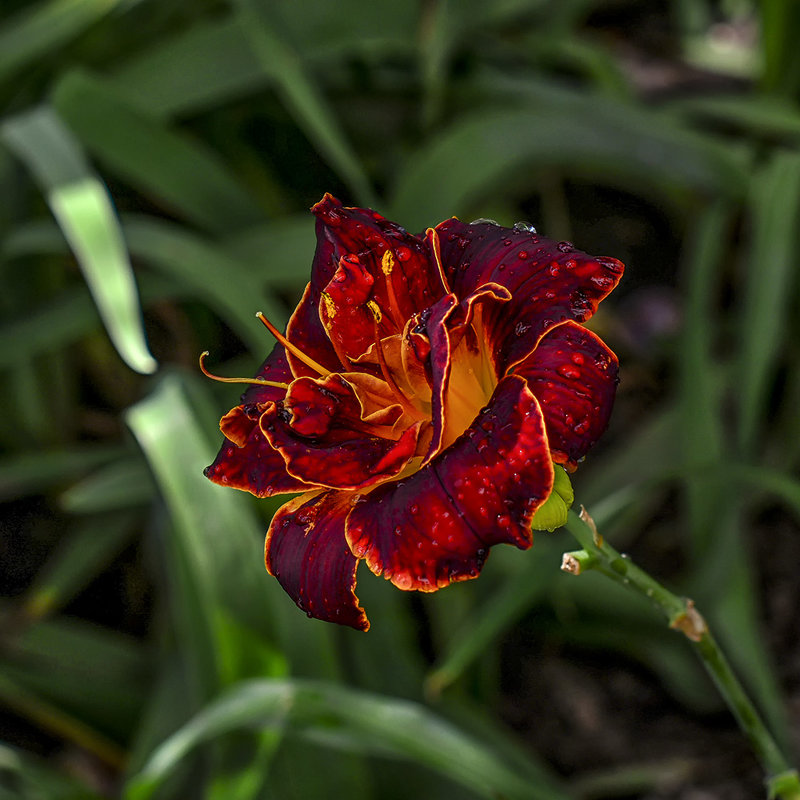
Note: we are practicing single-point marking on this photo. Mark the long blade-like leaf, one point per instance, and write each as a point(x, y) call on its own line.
point(81, 205)
point(351, 720)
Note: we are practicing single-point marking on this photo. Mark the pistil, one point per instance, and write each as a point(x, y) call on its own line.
point(254, 381)
point(293, 349)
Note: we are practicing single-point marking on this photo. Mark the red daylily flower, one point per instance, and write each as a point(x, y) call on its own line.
point(424, 394)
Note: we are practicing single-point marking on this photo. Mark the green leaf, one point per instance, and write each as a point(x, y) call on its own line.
point(123, 484)
point(304, 100)
point(754, 114)
point(79, 556)
point(83, 209)
point(484, 151)
point(81, 655)
point(553, 513)
point(30, 473)
point(37, 30)
point(199, 546)
point(280, 251)
point(770, 281)
point(213, 63)
point(475, 637)
point(700, 428)
point(165, 165)
point(34, 778)
point(200, 267)
point(350, 720)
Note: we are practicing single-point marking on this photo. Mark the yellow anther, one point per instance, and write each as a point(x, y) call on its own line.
point(376, 311)
point(387, 262)
point(330, 306)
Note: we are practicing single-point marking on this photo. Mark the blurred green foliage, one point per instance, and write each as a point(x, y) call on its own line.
point(156, 162)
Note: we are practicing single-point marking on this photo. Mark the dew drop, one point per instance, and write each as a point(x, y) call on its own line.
point(581, 427)
point(522, 254)
point(602, 361)
point(484, 221)
point(403, 581)
point(568, 371)
point(565, 247)
point(524, 226)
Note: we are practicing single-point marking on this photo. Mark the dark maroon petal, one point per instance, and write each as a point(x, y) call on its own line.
point(551, 282)
point(255, 467)
point(435, 527)
point(246, 460)
point(307, 333)
point(348, 319)
point(274, 368)
point(574, 376)
point(306, 551)
point(405, 278)
point(323, 440)
point(434, 323)
point(446, 324)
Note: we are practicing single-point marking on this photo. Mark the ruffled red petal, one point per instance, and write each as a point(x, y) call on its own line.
point(319, 433)
point(254, 467)
point(435, 527)
point(306, 551)
point(550, 282)
point(307, 333)
point(344, 311)
point(405, 278)
point(447, 324)
point(246, 460)
point(274, 368)
point(574, 376)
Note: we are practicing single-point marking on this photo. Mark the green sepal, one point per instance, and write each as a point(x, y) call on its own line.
point(552, 513)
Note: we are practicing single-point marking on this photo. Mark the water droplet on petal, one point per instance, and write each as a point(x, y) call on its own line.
point(484, 221)
point(568, 371)
point(403, 580)
point(524, 226)
point(403, 253)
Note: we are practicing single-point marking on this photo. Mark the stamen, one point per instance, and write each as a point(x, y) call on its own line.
point(256, 381)
point(330, 309)
point(293, 349)
point(433, 240)
point(387, 265)
point(387, 375)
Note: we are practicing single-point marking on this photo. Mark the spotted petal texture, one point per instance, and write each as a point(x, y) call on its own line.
point(423, 391)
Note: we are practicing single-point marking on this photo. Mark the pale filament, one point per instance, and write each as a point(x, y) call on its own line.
point(255, 381)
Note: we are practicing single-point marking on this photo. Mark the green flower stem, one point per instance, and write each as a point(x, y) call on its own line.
point(782, 781)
